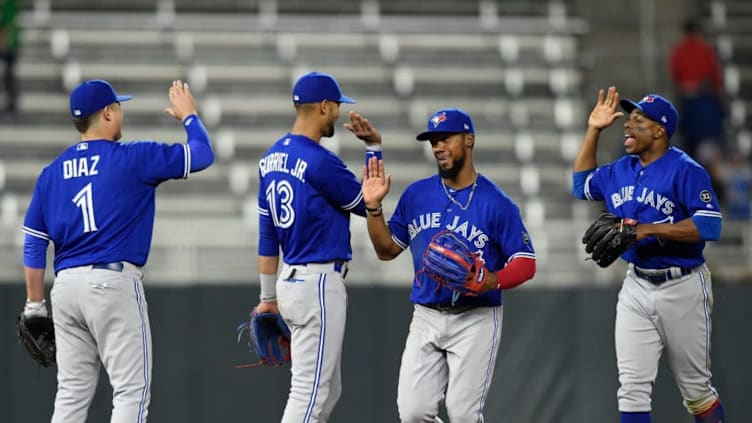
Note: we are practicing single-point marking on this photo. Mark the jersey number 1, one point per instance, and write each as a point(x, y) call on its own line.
point(83, 201)
point(283, 214)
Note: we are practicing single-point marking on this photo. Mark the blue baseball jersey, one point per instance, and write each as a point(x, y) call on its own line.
point(491, 225)
point(669, 190)
point(305, 198)
point(95, 201)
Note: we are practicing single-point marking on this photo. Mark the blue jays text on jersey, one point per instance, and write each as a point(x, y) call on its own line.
point(647, 197)
point(470, 232)
point(492, 226)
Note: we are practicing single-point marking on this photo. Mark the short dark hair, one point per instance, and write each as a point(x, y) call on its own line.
point(83, 123)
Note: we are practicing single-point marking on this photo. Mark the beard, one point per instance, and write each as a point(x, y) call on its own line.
point(329, 130)
point(454, 170)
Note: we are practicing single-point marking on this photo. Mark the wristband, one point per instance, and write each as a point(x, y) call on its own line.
point(373, 150)
point(268, 288)
point(374, 212)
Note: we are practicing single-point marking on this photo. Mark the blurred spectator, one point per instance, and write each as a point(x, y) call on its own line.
point(696, 74)
point(737, 178)
point(9, 41)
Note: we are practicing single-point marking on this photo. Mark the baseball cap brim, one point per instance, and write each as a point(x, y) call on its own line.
point(346, 99)
point(425, 136)
point(629, 105)
point(123, 97)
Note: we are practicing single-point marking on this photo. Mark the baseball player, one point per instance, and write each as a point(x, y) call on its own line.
point(453, 340)
point(95, 203)
point(666, 298)
point(306, 196)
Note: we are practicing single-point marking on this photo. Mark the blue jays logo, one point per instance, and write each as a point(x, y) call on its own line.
point(436, 120)
point(648, 99)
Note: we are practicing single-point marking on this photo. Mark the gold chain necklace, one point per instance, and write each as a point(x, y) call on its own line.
point(469, 197)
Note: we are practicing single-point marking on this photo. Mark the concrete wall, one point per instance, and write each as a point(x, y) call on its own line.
point(556, 362)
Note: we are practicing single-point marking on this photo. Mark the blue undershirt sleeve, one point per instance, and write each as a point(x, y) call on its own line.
point(35, 252)
point(202, 154)
point(708, 227)
point(578, 183)
point(268, 244)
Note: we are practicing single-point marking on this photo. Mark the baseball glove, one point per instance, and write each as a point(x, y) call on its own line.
point(269, 337)
point(449, 261)
point(608, 237)
point(37, 335)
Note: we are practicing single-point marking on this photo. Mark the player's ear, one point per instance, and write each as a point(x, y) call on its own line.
point(660, 132)
point(325, 106)
point(469, 140)
point(107, 112)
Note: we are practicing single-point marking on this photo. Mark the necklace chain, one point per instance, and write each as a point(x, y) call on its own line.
point(469, 197)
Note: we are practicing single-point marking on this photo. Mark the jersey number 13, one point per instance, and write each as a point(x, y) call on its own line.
point(283, 213)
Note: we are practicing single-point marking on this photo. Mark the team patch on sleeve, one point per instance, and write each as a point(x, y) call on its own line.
point(706, 196)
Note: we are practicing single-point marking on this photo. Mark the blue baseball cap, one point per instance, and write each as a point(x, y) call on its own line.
point(448, 121)
point(657, 108)
point(314, 87)
point(91, 96)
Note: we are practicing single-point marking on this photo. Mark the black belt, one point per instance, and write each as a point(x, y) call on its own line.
point(658, 276)
point(448, 308)
point(116, 266)
point(339, 265)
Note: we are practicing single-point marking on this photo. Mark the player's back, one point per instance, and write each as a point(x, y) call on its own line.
point(96, 200)
point(308, 192)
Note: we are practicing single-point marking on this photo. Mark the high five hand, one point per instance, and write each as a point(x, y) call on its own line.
point(363, 129)
point(604, 113)
point(181, 100)
point(375, 182)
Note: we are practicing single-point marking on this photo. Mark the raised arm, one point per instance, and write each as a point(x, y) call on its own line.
point(183, 108)
point(603, 115)
point(363, 129)
point(375, 187)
